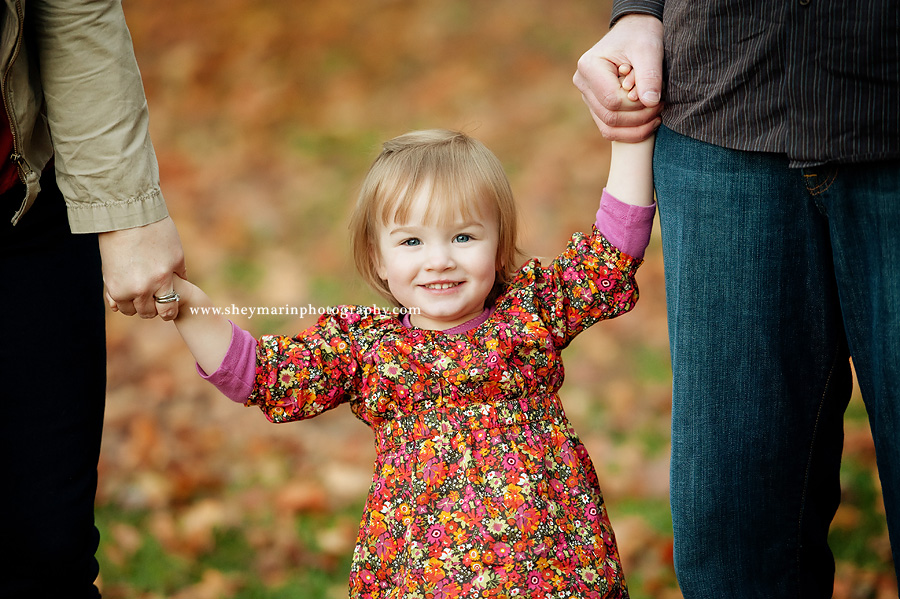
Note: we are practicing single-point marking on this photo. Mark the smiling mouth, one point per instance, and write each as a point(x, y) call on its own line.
point(440, 285)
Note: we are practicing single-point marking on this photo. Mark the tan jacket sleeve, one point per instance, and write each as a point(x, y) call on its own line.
point(98, 117)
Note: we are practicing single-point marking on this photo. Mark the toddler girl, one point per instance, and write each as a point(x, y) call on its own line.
point(481, 487)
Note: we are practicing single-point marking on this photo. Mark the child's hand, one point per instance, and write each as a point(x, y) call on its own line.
point(190, 296)
point(627, 94)
point(626, 80)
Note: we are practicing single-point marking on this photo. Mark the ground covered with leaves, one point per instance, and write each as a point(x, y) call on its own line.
point(265, 116)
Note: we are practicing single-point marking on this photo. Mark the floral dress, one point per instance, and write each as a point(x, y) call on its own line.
point(481, 487)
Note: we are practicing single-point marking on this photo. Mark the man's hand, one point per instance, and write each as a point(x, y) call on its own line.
point(635, 40)
point(139, 263)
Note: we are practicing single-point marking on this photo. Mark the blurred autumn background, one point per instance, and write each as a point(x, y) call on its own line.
point(265, 115)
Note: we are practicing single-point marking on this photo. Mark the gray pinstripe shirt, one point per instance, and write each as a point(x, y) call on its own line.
point(818, 80)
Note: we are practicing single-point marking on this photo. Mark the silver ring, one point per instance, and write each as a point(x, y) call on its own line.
point(167, 298)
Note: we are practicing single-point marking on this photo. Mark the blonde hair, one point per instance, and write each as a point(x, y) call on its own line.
point(464, 178)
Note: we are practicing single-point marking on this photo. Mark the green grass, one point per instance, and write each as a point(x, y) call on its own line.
point(855, 543)
point(651, 365)
point(655, 512)
point(151, 571)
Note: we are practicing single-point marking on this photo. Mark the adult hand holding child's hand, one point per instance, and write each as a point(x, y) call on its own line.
point(636, 41)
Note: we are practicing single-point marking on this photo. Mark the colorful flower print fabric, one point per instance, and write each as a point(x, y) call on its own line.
point(481, 487)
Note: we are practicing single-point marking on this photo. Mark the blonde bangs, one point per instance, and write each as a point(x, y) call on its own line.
point(452, 196)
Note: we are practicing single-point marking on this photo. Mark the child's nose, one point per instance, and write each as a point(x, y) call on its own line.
point(439, 258)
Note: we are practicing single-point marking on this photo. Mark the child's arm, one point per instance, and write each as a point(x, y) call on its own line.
point(207, 335)
point(631, 172)
point(631, 167)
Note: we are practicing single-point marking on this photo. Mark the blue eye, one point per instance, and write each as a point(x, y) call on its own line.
point(411, 242)
point(462, 238)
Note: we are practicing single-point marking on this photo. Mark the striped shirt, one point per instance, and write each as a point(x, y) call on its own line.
point(817, 80)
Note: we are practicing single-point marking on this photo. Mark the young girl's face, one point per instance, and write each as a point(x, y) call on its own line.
point(446, 270)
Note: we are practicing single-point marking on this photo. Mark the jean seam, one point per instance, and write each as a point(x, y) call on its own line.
point(806, 474)
point(821, 187)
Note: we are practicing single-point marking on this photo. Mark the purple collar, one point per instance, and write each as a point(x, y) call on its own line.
point(460, 328)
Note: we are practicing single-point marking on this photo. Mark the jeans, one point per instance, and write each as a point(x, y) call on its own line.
point(774, 278)
point(53, 368)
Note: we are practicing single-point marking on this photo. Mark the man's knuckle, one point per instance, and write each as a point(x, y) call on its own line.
point(611, 118)
point(578, 81)
point(584, 61)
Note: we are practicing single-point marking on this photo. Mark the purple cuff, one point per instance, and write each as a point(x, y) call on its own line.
point(237, 372)
point(625, 226)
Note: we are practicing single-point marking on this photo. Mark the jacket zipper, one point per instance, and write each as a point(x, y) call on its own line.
point(24, 169)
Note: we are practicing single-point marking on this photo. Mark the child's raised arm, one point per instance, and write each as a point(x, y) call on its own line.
point(631, 166)
point(207, 335)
